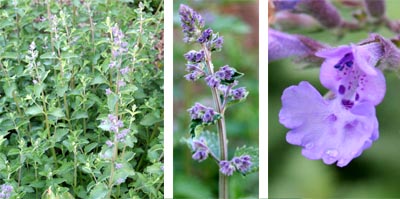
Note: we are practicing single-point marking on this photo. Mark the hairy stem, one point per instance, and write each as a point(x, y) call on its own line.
point(223, 179)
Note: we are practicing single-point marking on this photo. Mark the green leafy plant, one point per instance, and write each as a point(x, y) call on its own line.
point(69, 70)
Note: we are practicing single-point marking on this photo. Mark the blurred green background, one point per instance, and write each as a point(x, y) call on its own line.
point(375, 174)
point(237, 22)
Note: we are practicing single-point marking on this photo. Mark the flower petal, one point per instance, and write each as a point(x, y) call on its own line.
point(326, 129)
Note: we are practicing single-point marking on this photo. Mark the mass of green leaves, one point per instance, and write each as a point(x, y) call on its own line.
point(52, 144)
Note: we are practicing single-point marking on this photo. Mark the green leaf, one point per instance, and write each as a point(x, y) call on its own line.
point(48, 55)
point(253, 153)
point(98, 79)
point(112, 100)
point(79, 114)
point(34, 110)
point(9, 89)
point(150, 119)
point(67, 55)
point(10, 55)
point(56, 112)
point(99, 191)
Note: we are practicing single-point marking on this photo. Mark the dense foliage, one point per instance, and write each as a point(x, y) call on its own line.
point(68, 69)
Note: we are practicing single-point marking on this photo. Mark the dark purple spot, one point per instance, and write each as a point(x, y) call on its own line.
point(349, 63)
point(342, 89)
point(357, 96)
point(332, 117)
point(348, 104)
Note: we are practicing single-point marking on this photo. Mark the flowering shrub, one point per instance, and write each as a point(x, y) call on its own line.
point(222, 81)
point(81, 99)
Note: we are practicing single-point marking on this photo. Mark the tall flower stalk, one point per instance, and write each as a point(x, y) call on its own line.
point(222, 82)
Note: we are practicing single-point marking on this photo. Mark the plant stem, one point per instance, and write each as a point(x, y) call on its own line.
point(223, 179)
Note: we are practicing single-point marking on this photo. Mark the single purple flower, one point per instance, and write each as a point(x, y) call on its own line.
point(112, 64)
point(121, 83)
point(239, 93)
point(205, 36)
point(118, 165)
point(327, 129)
point(5, 191)
point(226, 168)
point(124, 71)
point(225, 72)
point(208, 115)
point(122, 135)
point(212, 81)
point(196, 111)
point(200, 150)
point(349, 71)
point(242, 163)
point(109, 143)
point(194, 56)
point(217, 44)
point(108, 91)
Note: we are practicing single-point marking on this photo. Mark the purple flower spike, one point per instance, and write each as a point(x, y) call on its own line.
point(327, 129)
point(226, 167)
point(350, 72)
point(191, 23)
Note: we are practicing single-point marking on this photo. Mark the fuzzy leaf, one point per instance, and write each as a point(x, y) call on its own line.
point(34, 110)
point(99, 191)
point(79, 114)
point(150, 119)
point(56, 112)
point(48, 55)
point(112, 100)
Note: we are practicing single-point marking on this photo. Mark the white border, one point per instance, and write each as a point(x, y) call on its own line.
point(168, 99)
point(263, 99)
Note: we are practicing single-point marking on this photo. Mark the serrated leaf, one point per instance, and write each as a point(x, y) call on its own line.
point(99, 191)
point(253, 153)
point(34, 110)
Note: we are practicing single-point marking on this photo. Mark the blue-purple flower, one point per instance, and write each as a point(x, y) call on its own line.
point(242, 163)
point(206, 114)
point(5, 191)
point(239, 93)
point(226, 167)
point(195, 56)
point(332, 130)
point(200, 149)
point(282, 45)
